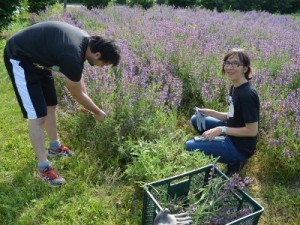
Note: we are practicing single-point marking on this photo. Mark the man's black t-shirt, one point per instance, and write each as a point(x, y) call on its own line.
point(246, 110)
point(51, 44)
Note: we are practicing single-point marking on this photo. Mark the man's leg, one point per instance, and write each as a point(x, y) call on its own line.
point(37, 138)
point(50, 124)
point(29, 94)
point(56, 148)
point(49, 93)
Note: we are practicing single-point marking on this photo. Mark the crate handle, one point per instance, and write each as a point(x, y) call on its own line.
point(179, 181)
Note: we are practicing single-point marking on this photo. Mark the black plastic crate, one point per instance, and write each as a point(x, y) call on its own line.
point(177, 186)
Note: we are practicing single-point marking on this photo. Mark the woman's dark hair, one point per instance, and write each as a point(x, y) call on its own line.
point(110, 52)
point(244, 59)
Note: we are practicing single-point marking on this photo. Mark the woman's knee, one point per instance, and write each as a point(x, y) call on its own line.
point(194, 122)
point(191, 145)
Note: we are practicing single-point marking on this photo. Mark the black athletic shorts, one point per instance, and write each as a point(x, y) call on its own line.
point(34, 87)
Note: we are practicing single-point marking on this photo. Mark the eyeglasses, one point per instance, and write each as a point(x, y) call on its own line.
point(232, 64)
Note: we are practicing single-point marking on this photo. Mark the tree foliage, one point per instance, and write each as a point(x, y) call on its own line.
point(95, 3)
point(37, 6)
point(272, 6)
point(7, 10)
point(144, 3)
point(184, 3)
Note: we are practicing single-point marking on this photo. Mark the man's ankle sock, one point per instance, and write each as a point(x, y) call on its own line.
point(54, 144)
point(43, 165)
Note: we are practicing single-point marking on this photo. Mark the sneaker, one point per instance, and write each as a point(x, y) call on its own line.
point(51, 177)
point(62, 151)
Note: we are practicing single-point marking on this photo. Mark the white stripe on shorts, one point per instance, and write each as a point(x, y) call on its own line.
point(20, 80)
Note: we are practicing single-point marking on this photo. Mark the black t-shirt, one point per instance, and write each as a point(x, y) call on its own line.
point(246, 110)
point(50, 44)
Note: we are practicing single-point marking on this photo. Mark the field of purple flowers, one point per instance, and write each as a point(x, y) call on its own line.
point(171, 60)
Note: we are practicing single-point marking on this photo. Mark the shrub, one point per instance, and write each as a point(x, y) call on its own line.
point(7, 12)
point(272, 6)
point(144, 3)
point(161, 158)
point(37, 6)
point(95, 3)
point(184, 3)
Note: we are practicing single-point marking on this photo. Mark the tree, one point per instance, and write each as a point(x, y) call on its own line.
point(95, 3)
point(35, 6)
point(183, 3)
point(144, 3)
point(7, 9)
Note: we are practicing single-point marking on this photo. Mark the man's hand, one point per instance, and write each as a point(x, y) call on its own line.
point(164, 218)
point(100, 117)
point(83, 110)
point(78, 92)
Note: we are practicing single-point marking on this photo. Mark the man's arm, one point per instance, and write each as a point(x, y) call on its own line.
point(78, 92)
point(83, 85)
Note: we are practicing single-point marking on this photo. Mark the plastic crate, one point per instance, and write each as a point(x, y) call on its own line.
point(180, 186)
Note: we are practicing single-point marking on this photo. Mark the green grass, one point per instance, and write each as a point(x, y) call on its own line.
point(88, 196)
point(296, 16)
point(104, 187)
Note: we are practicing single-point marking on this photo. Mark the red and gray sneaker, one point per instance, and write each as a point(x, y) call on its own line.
point(51, 177)
point(62, 151)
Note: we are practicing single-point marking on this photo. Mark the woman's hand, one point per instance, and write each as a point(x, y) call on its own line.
point(207, 112)
point(212, 133)
point(213, 113)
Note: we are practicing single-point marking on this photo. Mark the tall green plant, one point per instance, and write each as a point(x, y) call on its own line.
point(37, 6)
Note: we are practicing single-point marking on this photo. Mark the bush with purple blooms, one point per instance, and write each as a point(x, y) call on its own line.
point(171, 60)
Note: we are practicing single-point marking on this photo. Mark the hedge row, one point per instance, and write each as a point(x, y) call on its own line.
point(272, 6)
point(8, 8)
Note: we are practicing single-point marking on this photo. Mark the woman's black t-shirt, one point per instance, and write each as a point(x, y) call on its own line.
point(246, 110)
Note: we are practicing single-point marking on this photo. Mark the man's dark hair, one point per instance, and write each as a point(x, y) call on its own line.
point(110, 52)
